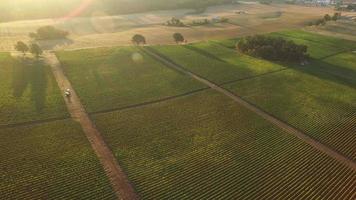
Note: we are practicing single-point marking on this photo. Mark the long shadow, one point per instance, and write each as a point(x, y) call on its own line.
point(323, 70)
point(20, 78)
point(31, 73)
point(204, 53)
point(327, 71)
point(38, 84)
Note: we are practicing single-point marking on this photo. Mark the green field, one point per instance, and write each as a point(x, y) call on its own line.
point(215, 62)
point(111, 78)
point(28, 92)
point(206, 146)
point(343, 65)
point(50, 161)
point(320, 107)
point(318, 46)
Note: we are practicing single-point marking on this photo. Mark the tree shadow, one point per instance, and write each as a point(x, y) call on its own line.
point(19, 78)
point(204, 53)
point(327, 71)
point(32, 74)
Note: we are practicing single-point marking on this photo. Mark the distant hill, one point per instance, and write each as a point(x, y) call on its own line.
point(28, 9)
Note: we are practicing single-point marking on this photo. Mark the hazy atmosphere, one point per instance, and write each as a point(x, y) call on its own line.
point(177, 99)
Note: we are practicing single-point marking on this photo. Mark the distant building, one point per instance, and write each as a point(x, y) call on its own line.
point(324, 2)
point(318, 2)
point(348, 2)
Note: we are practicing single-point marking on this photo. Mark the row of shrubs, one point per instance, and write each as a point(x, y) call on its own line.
point(325, 19)
point(178, 23)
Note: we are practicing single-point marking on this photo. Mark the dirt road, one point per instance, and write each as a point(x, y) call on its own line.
point(118, 178)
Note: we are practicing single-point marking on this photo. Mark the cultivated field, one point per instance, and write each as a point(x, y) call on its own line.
point(318, 98)
point(103, 30)
point(207, 146)
point(112, 78)
point(50, 161)
point(215, 62)
point(28, 91)
point(173, 136)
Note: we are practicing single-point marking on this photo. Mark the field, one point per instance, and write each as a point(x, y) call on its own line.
point(50, 161)
point(100, 29)
point(113, 78)
point(318, 99)
point(216, 62)
point(195, 145)
point(28, 92)
point(173, 136)
point(206, 146)
point(318, 47)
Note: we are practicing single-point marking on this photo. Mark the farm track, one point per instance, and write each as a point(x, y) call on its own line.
point(270, 118)
point(116, 175)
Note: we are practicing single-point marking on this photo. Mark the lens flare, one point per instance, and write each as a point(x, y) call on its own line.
point(78, 10)
point(137, 57)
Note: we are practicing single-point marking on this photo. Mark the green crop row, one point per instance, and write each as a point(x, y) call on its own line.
point(110, 78)
point(206, 146)
point(50, 161)
point(323, 108)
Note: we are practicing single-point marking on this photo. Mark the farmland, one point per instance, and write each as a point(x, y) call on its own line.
point(189, 119)
point(215, 62)
point(197, 144)
point(100, 29)
point(319, 98)
point(28, 92)
point(50, 161)
point(111, 78)
point(205, 145)
point(318, 46)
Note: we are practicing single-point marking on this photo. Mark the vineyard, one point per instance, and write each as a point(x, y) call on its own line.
point(321, 108)
point(345, 63)
point(318, 46)
point(215, 62)
point(174, 137)
point(205, 146)
point(28, 92)
point(110, 78)
point(50, 161)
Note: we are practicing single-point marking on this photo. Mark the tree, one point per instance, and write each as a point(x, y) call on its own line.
point(327, 17)
point(36, 50)
point(178, 37)
point(48, 33)
point(138, 39)
point(175, 22)
point(336, 16)
point(22, 47)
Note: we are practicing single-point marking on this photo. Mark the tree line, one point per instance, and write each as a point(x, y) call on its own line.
point(325, 19)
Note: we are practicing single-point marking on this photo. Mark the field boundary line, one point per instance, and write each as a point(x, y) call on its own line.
point(119, 181)
point(268, 117)
point(149, 102)
point(30, 123)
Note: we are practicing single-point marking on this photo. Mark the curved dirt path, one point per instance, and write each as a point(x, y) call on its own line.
point(284, 126)
point(116, 175)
